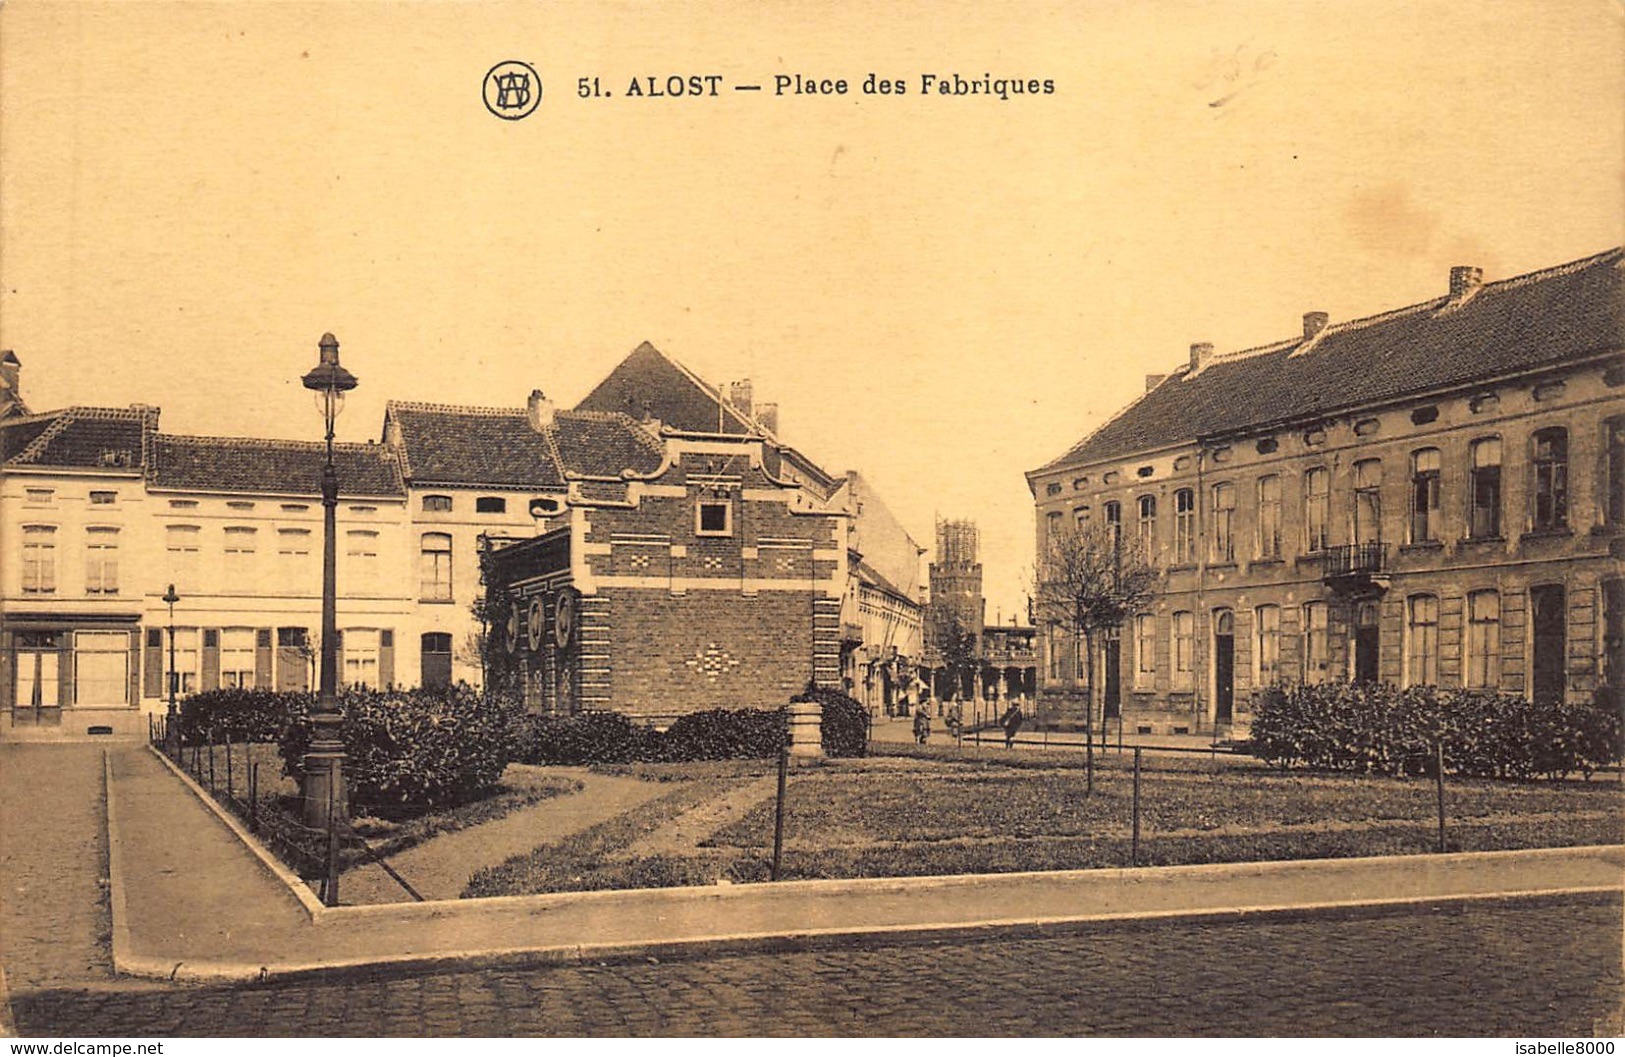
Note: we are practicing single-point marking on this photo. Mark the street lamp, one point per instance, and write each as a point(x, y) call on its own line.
point(172, 727)
point(323, 788)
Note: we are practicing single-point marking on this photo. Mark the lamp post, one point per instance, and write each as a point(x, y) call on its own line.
point(323, 788)
point(172, 728)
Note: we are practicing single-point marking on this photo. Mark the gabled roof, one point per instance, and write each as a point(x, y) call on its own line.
point(441, 444)
point(269, 467)
point(1547, 318)
point(649, 380)
point(103, 438)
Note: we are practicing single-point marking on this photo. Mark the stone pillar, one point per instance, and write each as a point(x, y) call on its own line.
point(806, 729)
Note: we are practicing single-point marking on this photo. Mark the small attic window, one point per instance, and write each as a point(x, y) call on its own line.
point(1548, 390)
point(287, 508)
point(490, 504)
point(103, 498)
point(1111, 477)
point(1483, 402)
point(1614, 377)
point(1182, 463)
point(1368, 426)
point(1423, 415)
point(1145, 471)
point(1314, 438)
point(713, 518)
point(1053, 488)
point(436, 504)
point(1078, 483)
point(239, 504)
point(1221, 454)
point(39, 496)
point(1268, 446)
point(183, 504)
point(363, 510)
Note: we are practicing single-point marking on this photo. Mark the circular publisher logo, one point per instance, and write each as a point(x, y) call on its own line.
point(512, 89)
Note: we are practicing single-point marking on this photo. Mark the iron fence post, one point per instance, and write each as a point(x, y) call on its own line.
point(778, 813)
point(1438, 784)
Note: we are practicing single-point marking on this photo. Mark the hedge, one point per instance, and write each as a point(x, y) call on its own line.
point(584, 738)
point(845, 722)
point(1377, 728)
point(239, 715)
point(413, 746)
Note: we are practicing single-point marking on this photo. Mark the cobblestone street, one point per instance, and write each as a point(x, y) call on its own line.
point(1548, 967)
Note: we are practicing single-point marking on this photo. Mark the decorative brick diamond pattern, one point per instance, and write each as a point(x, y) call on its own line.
point(712, 662)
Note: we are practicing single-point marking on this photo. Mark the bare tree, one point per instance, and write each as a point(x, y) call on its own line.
point(954, 639)
point(1090, 579)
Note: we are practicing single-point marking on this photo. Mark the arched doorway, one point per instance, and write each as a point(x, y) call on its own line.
point(1224, 666)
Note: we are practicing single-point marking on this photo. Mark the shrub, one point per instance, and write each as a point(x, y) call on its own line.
point(725, 734)
point(239, 715)
point(1378, 728)
point(415, 746)
point(845, 722)
point(584, 738)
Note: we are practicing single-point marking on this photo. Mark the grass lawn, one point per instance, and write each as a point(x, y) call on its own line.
point(939, 812)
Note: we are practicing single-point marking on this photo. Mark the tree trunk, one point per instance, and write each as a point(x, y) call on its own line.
point(1089, 713)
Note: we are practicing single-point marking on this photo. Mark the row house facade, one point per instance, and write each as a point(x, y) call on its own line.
point(100, 512)
point(1430, 496)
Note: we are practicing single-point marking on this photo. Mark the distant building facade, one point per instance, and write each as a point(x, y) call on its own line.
point(1433, 495)
point(996, 661)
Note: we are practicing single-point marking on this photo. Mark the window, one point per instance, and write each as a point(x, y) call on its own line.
point(1367, 521)
point(101, 661)
point(241, 544)
point(1148, 527)
point(1484, 489)
point(1184, 636)
point(294, 566)
point(39, 560)
point(39, 496)
point(434, 567)
point(1316, 642)
point(295, 508)
point(1052, 526)
point(363, 510)
point(1052, 637)
point(1185, 527)
point(1551, 466)
point(1422, 641)
point(181, 543)
point(361, 657)
point(1269, 517)
point(1614, 480)
point(435, 657)
point(1483, 640)
point(1145, 649)
point(1113, 512)
point(101, 561)
point(713, 518)
point(490, 504)
point(361, 556)
point(237, 657)
point(103, 498)
point(1267, 655)
point(436, 504)
point(1317, 508)
point(1425, 495)
point(184, 672)
point(183, 504)
point(1224, 512)
point(1080, 516)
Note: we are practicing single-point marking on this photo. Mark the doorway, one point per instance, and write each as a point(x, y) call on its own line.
point(1114, 680)
point(39, 687)
point(1547, 614)
point(1224, 666)
point(1366, 639)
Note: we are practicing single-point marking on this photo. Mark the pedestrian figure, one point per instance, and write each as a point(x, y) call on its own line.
point(922, 725)
point(1011, 723)
point(956, 719)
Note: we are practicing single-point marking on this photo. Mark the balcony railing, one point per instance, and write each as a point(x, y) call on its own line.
point(1354, 563)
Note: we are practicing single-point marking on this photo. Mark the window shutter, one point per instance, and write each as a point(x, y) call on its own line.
point(152, 670)
point(262, 658)
point(133, 695)
point(386, 658)
point(211, 659)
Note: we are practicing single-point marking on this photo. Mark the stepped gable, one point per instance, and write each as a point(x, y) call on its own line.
point(1547, 318)
point(269, 467)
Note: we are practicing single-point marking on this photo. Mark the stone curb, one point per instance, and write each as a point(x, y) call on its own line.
point(813, 939)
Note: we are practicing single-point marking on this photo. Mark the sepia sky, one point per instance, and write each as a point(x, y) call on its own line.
point(943, 292)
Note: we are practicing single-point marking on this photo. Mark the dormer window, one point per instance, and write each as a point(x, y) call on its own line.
point(713, 518)
point(437, 504)
point(490, 504)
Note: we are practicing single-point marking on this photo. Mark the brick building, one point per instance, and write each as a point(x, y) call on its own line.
point(1432, 495)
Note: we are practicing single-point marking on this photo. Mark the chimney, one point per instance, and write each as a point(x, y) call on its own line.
point(1464, 280)
point(768, 415)
point(1314, 323)
point(1153, 380)
point(10, 371)
point(739, 395)
point(1201, 354)
point(539, 409)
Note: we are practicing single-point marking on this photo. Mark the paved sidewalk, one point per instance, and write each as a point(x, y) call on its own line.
point(203, 907)
point(439, 868)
